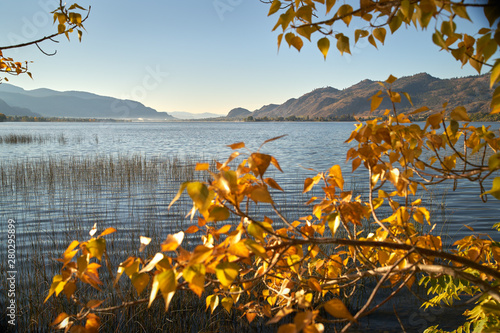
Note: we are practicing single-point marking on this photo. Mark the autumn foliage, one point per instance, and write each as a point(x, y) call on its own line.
point(284, 268)
point(294, 272)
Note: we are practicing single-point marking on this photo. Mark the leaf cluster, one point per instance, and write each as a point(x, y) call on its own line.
point(68, 19)
point(301, 19)
point(306, 269)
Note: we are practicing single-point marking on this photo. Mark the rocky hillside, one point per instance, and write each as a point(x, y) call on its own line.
point(472, 92)
point(239, 113)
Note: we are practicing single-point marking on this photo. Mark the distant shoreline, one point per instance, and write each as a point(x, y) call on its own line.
point(475, 117)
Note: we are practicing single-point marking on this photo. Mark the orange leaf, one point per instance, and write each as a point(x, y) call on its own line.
point(237, 145)
point(336, 308)
point(202, 166)
point(92, 304)
point(108, 231)
point(192, 229)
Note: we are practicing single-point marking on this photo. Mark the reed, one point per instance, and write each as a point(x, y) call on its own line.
point(61, 138)
point(56, 200)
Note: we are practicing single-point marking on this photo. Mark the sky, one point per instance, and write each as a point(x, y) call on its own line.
point(202, 55)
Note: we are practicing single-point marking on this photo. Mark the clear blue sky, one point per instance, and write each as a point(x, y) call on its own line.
point(191, 56)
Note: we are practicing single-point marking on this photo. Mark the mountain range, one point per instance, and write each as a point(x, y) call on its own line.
point(473, 92)
point(72, 104)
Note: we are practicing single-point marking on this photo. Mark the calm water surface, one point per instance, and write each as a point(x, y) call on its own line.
point(316, 145)
point(142, 210)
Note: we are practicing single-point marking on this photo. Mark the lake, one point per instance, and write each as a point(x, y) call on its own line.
point(54, 215)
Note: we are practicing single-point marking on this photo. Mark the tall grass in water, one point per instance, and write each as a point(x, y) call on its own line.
point(61, 138)
point(57, 200)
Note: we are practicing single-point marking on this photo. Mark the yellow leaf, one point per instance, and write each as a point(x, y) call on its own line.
point(271, 182)
point(227, 303)
point(156, 259)
point(218, 213)
point(329, 5)
point(200, 194)
point(434, 120)
point(140, 281)
point(192, 229)
point(92, 304)
point(239, 249)
point(275, 6)
point(56, 280)
point(212, 301)
point(293, 262)
point(256, 248)
point(343, 43)
point(165, 282)
point(494, 162)
point(179, 193)
point(360, 33)
point(200, 254)
point(314, 284)
point(302, 320)
point(459, 114)
point(334, 222)
point(259, 163)
point(226, 273)
point(495, 74)
point(258, 230)
point(344, 12)
point(336, 173)
point(261, 194)
point(419, 110)
point(69, 289)
point(395, 23)
point(61, 28)
point(108, 231)
point(395, 97)
point(309, 184)
point(461, 11)
point(69, 253)
point(97, 247)
point(324, 46)
point(93, 323)
point(304, 13)
point(279, 315)
point(376, 101)
point(195, 276)
point(495, 189)
point(495, 101)
point(379, 33)
point(297, 42)
point(60, 318)
point(391, 79)
point(202, 166)
point(372, 41)
point(130, 266)
point(336, 308)
point(144, 242)
point(172, 242)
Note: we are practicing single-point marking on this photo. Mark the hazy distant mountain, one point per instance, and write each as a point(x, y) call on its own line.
point(188, 115)
point(472, 92)
point(76, 104)
point(239, 113)
point(8, 110)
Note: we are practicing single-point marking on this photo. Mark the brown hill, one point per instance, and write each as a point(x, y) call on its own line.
point(473, 92)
